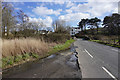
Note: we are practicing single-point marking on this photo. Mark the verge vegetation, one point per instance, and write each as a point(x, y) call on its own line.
point(19, 51)
point(106, 43)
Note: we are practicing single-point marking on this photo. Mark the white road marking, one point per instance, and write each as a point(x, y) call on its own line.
point(109, 73)
point(89, 53)
point(114, 50)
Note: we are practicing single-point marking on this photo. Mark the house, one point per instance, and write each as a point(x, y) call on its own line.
point(74, 30)
point(45, 30)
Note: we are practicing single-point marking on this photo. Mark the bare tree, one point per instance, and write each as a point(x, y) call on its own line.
point(55, 25)
point(59, 25)
point(41, 24)
point(7, 17)
point(23, 19)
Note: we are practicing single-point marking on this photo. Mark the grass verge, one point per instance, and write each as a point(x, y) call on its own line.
point(61, 47)
point(108, 44)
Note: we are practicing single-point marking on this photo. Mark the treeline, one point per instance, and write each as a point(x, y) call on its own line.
point(16, 24)
point(111, 25)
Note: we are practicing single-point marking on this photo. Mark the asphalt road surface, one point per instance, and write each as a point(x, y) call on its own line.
point(61, 65)
point(97, 60)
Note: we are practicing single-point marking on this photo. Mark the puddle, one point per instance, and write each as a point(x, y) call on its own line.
point(73, 58)
point(72, 49)
point(51, 56)
point(73, 61)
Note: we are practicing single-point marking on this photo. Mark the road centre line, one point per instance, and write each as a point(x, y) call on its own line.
point(89, 53)
point(109, 73)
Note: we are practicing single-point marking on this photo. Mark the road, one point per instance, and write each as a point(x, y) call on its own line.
point(97, 60)
point(60, 65)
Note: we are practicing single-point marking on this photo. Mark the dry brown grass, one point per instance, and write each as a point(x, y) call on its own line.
point(21, 46)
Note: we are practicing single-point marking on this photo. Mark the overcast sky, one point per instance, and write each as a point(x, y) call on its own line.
point(72, 12)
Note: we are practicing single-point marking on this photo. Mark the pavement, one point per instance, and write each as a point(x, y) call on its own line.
point(97, 60)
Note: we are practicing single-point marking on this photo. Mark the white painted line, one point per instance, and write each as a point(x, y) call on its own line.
point(115, 50)
point(109, 73)
point(89, 53)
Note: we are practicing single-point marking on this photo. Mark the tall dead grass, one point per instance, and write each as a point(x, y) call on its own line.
point(21, 46)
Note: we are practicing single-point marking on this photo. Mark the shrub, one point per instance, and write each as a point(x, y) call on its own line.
point(35, 55)
point(25, 56)
point(18, 58)
point(57, 37)
point(11, 60)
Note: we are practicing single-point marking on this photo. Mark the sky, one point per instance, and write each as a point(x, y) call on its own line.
point(72, 12)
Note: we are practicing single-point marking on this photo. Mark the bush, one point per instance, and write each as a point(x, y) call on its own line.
point(86, 38)
point(11, 60)
point(18, 58)
point(82, 36)
point(78, 35)
point(25, 56)
point(35, 55)
point(57, 37)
